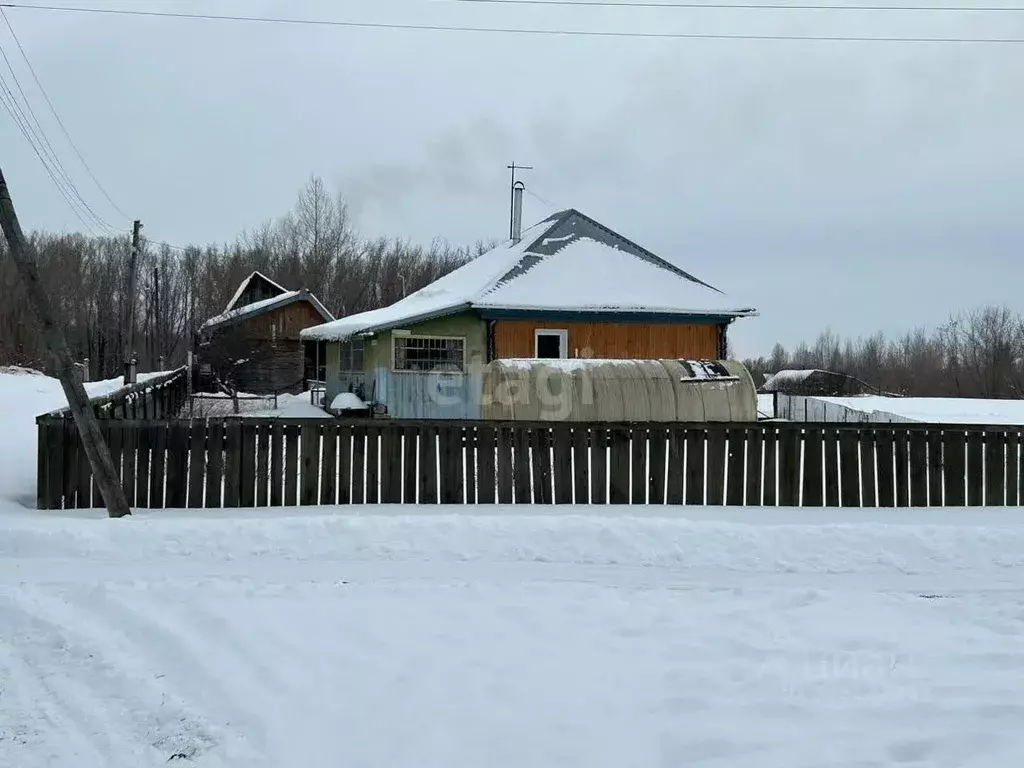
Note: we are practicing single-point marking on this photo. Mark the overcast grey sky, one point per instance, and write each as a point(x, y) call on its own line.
point(862, 186)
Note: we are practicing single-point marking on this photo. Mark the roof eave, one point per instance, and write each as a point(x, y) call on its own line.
point(242, 315)
point(491, 311)
point(312, 334)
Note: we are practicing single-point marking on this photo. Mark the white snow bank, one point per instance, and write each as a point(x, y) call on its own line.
point(25, 394)
point(766, 406)
point(292, 407)
point(939, 410)
point(936, 543)
point(17, 370)
point(443, 640)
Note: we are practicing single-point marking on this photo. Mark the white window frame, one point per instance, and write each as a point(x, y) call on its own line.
point(561, 333)
point(396, 336)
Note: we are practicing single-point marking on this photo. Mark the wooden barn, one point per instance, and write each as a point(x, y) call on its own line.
point(254, 346)
point(568, 287)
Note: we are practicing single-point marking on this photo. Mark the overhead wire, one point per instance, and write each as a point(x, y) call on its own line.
point(645, 4)
point(31, 127)
point(540, 199)
point(57, 117)
point(524, 30)
point(181, 248)
point(10, 103)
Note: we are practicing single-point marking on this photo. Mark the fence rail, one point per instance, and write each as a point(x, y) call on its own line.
point(272, 462)
point(158, 397)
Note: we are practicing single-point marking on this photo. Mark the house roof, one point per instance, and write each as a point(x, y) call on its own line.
point(567, 263)
point(245, 285)
point(267, 305)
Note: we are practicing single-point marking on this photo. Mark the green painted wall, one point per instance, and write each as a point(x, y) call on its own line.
point(332, 357)
point(378, 349)
point(466, 324)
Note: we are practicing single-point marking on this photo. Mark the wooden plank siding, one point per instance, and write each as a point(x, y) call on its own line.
point(639, 341)
point(290, 321)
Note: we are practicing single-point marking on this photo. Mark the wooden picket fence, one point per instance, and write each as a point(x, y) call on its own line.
point(159, 397)
point(275, 462)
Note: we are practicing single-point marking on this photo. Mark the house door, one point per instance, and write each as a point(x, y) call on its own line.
point(551, 344)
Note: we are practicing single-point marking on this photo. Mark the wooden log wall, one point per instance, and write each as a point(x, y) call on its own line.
point(274, 462)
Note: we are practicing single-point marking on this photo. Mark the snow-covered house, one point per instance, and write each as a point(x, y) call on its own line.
point(254, 344)
point(569, 287)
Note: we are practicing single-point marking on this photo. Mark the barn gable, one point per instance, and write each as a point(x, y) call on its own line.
point(255, 288)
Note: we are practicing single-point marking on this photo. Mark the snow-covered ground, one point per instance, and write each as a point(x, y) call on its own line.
point(882, 409)
point(256, 406)
point(768, 638)
point(939, 410)
point(511, 639)
point(25, 394)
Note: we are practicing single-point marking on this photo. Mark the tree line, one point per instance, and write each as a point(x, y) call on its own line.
point(315, 245)
point(977, 353)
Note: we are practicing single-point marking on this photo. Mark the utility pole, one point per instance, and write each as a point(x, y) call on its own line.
point(512, 198)
point(129, 352)
point(96, 450)
point(156, 318)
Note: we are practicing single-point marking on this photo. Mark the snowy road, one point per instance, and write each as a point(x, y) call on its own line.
point(511, 640)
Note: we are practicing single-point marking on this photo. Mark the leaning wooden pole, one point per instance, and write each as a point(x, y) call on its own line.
point(96, 449)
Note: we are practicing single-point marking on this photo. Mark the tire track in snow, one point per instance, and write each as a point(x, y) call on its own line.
point(117, 707)
point(202, 664)
point(243, 661)
point(43, 666)
point(30, 711)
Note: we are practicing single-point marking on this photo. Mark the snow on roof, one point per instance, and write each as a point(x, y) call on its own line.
point(587, 275)
point(567, 262)
point(788, 377)
point(451, 293)
point(259, 307)
point(569, 364)
point(245, 284)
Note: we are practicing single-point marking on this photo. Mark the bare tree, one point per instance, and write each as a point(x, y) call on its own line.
point(979, 353)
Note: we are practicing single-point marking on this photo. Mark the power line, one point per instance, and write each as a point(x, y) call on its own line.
point(34, 132)
point(751, 6)
point(60, 122)
point(523, 30)
point(32, 129)
point(181, 248)
point(10, 103)
point(540, 199)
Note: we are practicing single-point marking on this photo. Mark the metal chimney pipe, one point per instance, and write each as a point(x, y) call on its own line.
point(517, 211)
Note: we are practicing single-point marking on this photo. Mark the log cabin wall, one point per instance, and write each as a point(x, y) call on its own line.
point(642, 341)
point(272, 344)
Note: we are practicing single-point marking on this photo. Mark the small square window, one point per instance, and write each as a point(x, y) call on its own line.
point(551, 344)
point(351, 355)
